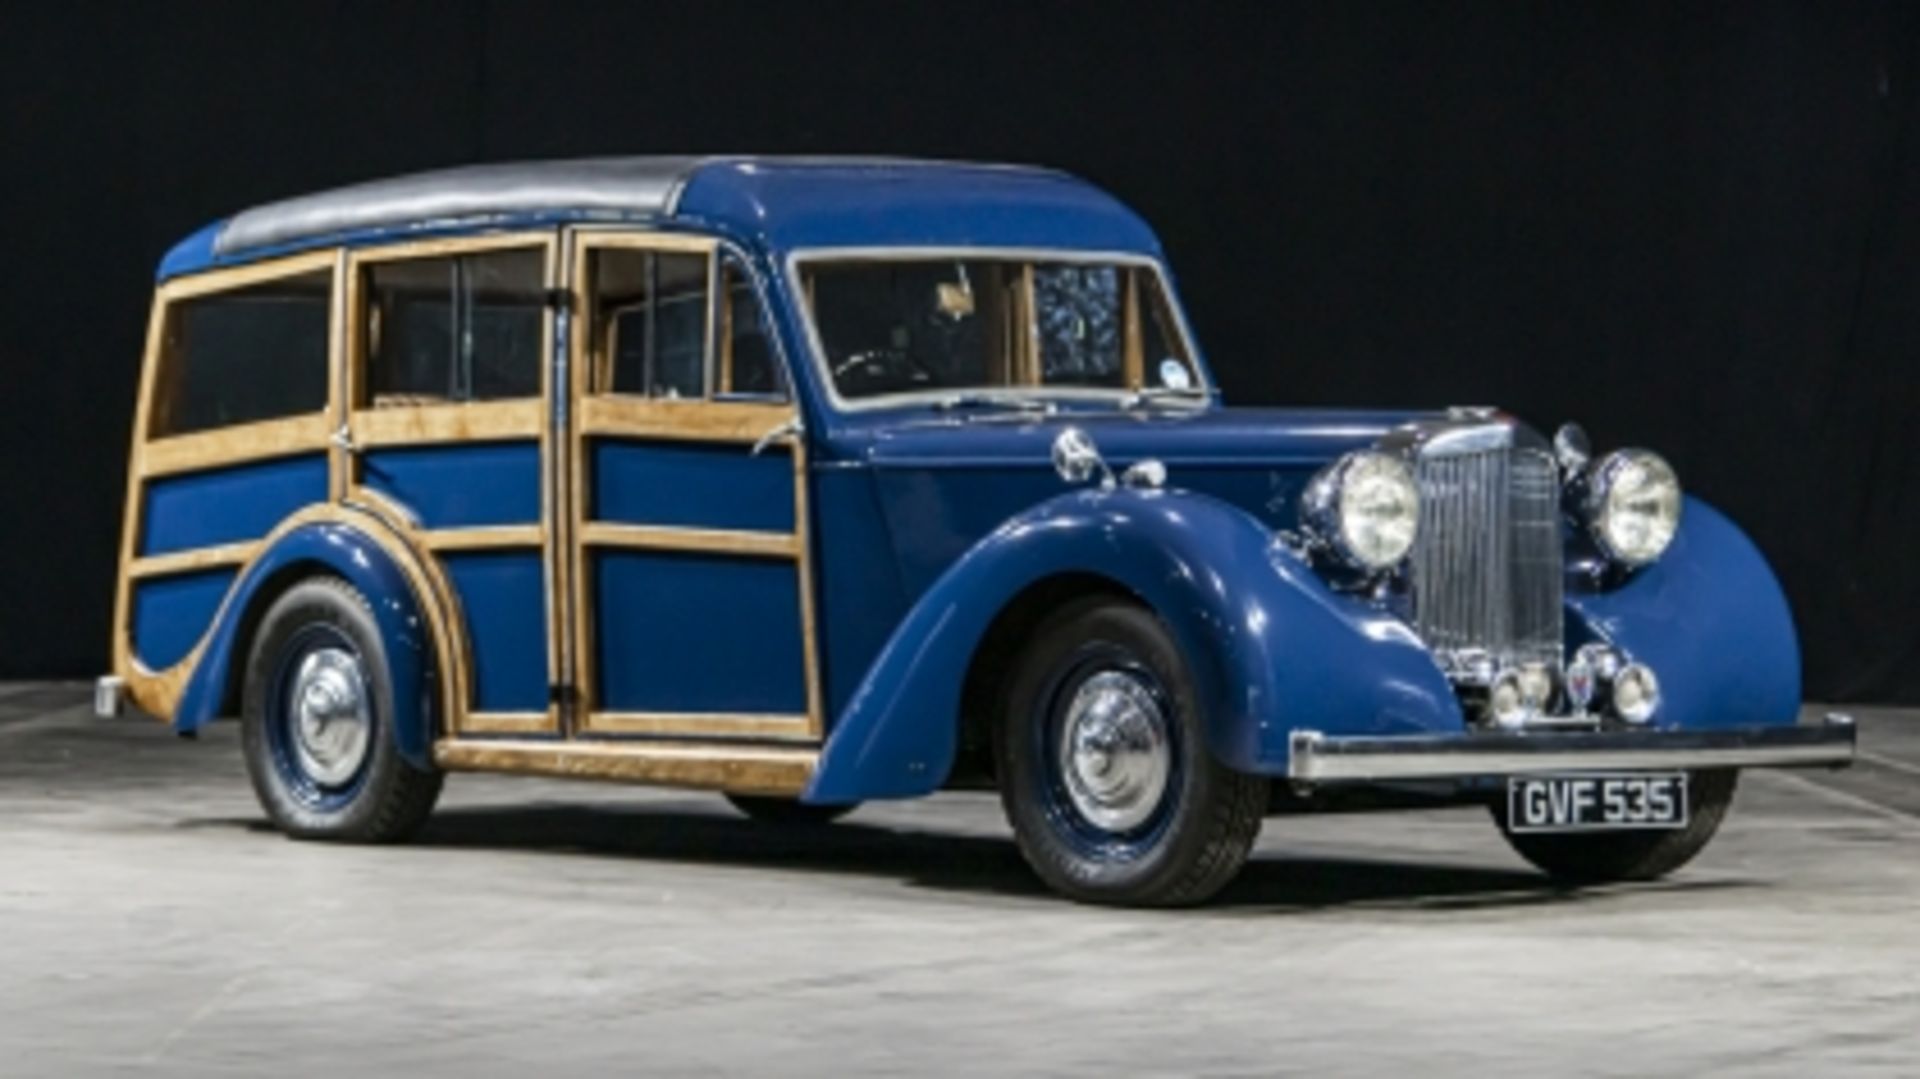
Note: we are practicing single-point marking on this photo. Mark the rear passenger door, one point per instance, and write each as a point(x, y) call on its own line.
point(449, 356)
point(687, 531)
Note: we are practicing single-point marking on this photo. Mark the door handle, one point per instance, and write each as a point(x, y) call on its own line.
point(785, 430)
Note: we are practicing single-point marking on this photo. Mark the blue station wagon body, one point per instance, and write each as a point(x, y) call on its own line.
point(819, 481)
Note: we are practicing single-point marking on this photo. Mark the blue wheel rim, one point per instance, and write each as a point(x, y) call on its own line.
point(1086, 838)
point(301, 784)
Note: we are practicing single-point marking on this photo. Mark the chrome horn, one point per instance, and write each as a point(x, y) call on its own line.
point(1076, 458)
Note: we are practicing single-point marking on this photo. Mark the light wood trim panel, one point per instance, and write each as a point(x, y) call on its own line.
point(1133, 351)
point(629, 238)
point(444, 246)
point(199, 558)
point(722, 541)
point(474, 421)
point(236, 277)
point(339, 464)
point(701, 724)
point(157, 693)
point(233, 445)
point(507, 723)
point(481, 539)
point(810, 649)
point(739, 769)
point(123, 663)
point(701, 421)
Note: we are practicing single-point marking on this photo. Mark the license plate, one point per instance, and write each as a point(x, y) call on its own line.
point(1597, 801)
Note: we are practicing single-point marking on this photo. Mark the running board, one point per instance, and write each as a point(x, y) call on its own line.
point(733, 768)
point(1319, 758)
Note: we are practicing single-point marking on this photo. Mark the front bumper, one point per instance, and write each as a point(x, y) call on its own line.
point(1319, 758)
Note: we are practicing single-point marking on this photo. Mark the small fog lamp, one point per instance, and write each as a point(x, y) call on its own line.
point(1636, 693)
point(1507, 704)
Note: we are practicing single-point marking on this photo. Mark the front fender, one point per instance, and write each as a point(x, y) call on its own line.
point(344, 551)
point(1269, 646)
point(1710, 619)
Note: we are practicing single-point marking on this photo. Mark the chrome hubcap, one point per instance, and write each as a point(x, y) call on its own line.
point(331, 724)
point(1114, 751)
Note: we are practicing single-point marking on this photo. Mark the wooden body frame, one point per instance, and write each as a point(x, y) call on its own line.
point(738, 423)
point(720, 751)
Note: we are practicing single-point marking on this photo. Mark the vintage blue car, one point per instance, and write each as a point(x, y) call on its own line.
point(814, 481)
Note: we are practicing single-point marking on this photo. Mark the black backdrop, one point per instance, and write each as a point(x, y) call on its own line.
point(1694, 229)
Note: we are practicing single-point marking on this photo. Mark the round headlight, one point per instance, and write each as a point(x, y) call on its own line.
point(1367, 507)
point(1633, 505)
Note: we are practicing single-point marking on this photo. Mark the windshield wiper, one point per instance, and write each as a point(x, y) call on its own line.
point(1142, 397)
point(991, 400)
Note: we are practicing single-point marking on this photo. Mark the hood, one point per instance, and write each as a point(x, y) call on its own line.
point(1207, 438)
point(946, 481)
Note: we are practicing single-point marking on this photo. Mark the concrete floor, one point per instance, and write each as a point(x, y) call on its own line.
point(150, 922)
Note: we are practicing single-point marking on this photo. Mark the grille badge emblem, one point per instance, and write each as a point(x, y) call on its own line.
point(1579, 678)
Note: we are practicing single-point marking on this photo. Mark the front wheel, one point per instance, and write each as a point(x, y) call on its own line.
point(317, 725)
point(1601, 857)
point(1103, 765)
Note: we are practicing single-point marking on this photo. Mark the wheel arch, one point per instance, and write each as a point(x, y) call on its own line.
point(1184, 556)
point(414, 625)
point(1012, 627)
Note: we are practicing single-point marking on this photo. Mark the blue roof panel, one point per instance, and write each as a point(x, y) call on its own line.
point(778, 203)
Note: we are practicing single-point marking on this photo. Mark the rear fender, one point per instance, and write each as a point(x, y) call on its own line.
point(345, 549)
point(1269, 646)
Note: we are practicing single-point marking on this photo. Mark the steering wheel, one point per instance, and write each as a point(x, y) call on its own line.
point(892, 364)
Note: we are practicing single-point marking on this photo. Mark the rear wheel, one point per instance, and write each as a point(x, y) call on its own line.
point(1103, 765)
point(788, 810)
point(1599, 857)
point(317, 724)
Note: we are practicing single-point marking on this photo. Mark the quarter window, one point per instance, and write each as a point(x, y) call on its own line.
point(254, 353)
point(451, 330)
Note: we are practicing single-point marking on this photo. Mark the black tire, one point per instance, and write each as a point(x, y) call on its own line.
point(384, 798)
point(1201, 826)
point(1602, 857)
point(788, 811)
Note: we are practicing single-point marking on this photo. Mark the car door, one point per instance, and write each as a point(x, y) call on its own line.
point(688, 570)
point(450, 350)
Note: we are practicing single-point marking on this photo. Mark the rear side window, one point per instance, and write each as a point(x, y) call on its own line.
point(254, 353)
point(448, 330)
point(657, 332)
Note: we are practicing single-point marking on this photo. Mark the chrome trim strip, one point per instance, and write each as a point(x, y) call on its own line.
point(1321, 758)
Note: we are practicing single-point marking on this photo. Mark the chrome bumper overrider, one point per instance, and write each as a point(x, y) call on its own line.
point(1321, 758)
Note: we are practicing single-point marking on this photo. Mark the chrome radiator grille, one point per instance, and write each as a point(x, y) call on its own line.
point(1485, 573)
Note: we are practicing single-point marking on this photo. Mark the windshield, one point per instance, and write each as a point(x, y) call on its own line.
point(983, 324)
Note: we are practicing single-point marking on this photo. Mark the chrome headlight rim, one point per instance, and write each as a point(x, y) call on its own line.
point(1330, 516)
point(1604, 503)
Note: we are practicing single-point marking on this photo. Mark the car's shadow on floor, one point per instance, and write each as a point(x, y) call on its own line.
point(974, 863)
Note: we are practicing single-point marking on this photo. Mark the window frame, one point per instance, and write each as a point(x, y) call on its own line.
point(214, 447)
point(1204, 389)
point(717, 345)
point(443, 421)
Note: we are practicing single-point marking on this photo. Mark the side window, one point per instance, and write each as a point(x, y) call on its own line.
point(254, 353)
point(653, 314)
point(450, 330)
point(1077, 312)
point(748, 367)
point(1164, 360)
